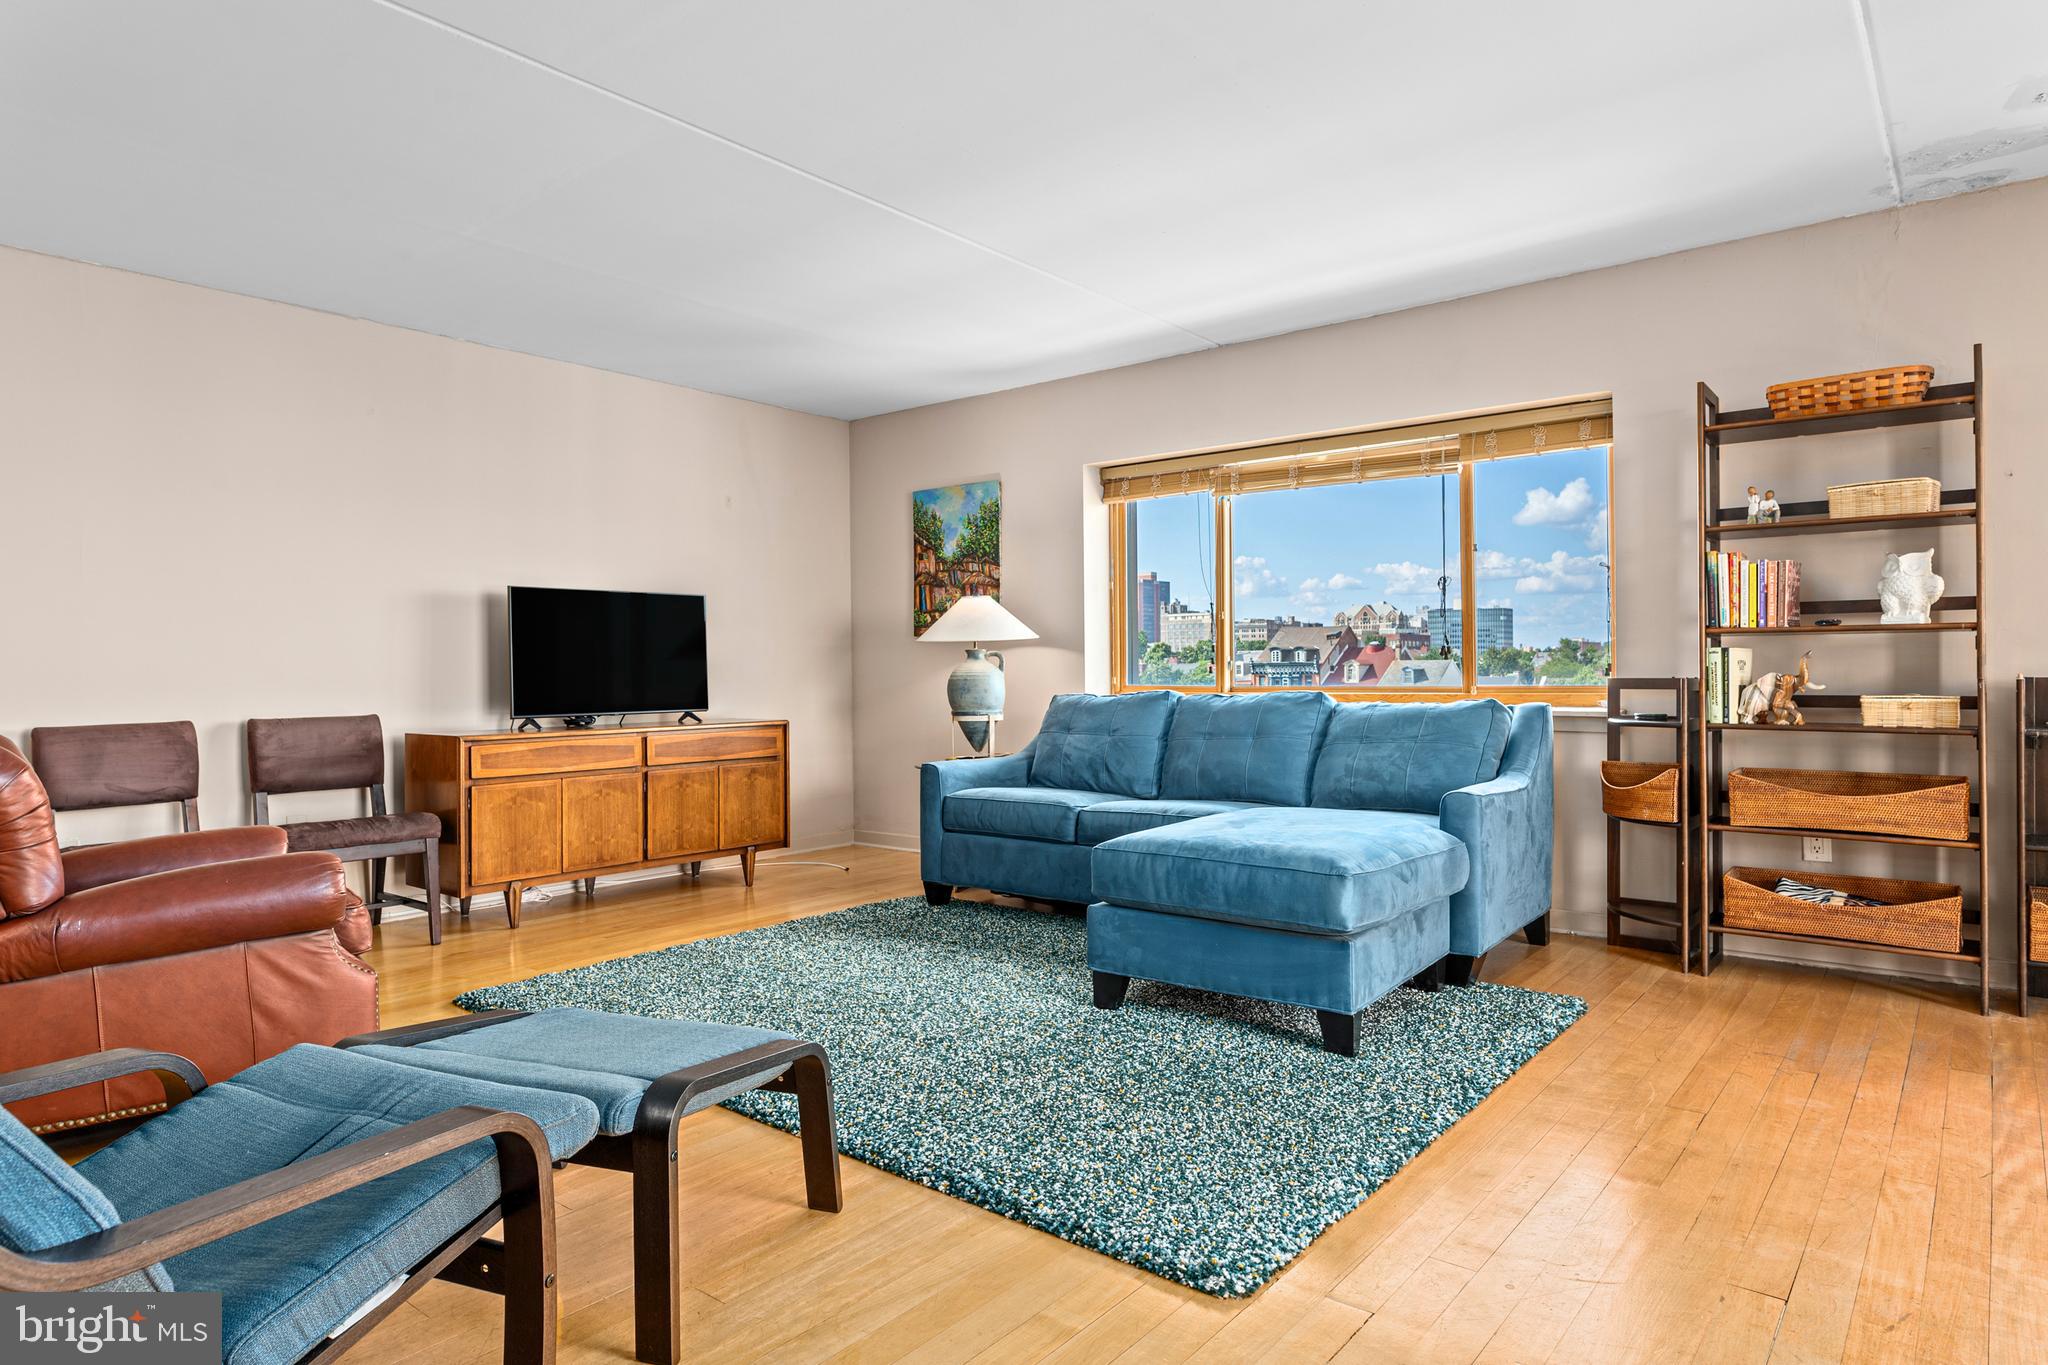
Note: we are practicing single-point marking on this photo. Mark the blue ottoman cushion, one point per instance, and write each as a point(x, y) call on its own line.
point(609, 1059)
point(287, 1283)
point(1045, 813)
point(1107, 820)
point(1307, 870)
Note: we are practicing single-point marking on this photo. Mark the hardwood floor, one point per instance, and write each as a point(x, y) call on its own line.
point(1771, 1164)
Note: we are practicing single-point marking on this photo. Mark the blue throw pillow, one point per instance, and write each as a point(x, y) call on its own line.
point(1382, 755)
point(1245, 748)
point(1103, 744)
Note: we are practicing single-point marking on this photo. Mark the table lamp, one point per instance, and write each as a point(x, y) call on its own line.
point(974, 690)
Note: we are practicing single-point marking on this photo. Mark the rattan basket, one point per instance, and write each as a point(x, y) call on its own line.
point(1908, 712)
point(2037, 926)
point(1919, 805)
point(1640, 791)
point(1884, 498)
point(1914, 914)
point(1890, 387)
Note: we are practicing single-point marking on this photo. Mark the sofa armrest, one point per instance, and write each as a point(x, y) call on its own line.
point(181, 911)
point(1506, 827)
point(940, 780)
point(101, 864)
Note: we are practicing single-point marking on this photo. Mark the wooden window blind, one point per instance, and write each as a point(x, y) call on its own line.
point(1436, 447)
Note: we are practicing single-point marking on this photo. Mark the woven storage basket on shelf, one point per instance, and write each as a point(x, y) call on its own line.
point(1916, 804)
point(1914, 914)
point(2037, 926)
point(1640, 791)
point(1913, 712)
point(1890, 387)
point(1884, 498)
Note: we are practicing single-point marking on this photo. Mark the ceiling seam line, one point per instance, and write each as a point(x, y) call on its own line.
point(1866, 31)
point(791, 168)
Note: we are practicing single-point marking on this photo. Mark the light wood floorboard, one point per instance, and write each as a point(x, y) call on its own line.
point(1773, 1164)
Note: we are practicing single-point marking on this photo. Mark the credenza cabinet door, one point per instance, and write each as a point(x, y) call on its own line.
point(515, 830)
point(682, 811)
point(600, 821)
point(750, 804)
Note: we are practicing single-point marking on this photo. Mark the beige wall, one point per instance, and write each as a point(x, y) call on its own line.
point(217, 507)
point(1919, 284)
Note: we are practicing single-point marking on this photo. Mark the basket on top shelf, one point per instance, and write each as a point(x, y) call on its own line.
point(1647, 792)
point(1892, 386)
point(1910, 914)
point(1915, 804)
point(1884, 498)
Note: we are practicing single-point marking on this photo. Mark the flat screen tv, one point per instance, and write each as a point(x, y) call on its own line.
point(579, 654)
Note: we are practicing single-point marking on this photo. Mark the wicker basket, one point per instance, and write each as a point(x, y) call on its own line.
point(1640, 791)
point(1884, 498)
point(1913, 915)
point(1916, 804)
point(2037, 925)
point(1913, 712)
point(1890, 387)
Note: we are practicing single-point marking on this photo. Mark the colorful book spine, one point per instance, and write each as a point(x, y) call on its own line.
point(1717, 701)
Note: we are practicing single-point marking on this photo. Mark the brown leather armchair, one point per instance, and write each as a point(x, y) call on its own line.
point(218, 945)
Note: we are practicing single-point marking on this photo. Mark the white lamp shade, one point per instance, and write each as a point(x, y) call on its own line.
point(977, 618)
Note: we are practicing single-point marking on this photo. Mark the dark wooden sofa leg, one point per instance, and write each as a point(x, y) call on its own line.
point(430, 858)
point(1110, 989)
point(811, 1078)
point(1430, 978)
point(938, 893)
point(1537, 930)
point(1460, 970)
point(1340, 1032)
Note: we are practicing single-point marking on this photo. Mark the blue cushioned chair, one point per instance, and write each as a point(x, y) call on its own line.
point(1281, 846)
point(314, 1192)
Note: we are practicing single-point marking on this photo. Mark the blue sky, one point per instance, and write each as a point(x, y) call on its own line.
point(955, 501)
point(1542, 530)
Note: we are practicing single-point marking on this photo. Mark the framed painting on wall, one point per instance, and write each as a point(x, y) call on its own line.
point(956, 547)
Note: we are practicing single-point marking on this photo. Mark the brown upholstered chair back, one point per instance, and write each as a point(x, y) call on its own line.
point(315, 753)
point(31, 873)
point(86, 767)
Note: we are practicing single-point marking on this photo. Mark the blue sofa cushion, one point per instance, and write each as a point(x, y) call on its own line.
point(1313, 871)
point(1103, 744)
point(287, 1283)
point(1405, 756)
point(1245, 748)
point(1107, 820)
point(609, 1059)
point(1045, 813)
point(45, 1203)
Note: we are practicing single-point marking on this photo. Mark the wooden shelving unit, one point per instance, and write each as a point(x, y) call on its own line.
point(1679, 914)
point(2030, 786)
point(1954, 616)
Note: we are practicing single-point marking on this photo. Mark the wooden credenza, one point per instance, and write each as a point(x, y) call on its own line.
point(517, 810)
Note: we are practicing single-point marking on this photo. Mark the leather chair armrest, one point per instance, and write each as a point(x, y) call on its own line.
point(179, 912)
point(102, 864)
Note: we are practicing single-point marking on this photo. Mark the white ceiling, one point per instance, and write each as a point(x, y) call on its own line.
point(850, 208)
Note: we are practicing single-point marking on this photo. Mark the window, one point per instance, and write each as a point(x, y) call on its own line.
point(1457, 558)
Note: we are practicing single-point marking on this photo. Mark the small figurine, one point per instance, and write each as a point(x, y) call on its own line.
point(1755, 506)
point(1772, 695)
point(1768, 511)
point(1908, 588)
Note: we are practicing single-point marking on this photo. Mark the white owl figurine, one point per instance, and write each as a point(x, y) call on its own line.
point(1908, 588)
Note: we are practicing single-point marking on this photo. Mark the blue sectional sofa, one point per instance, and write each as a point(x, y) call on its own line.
point(1282, 846)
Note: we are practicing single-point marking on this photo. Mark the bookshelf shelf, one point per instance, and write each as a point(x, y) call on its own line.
point(2030, 801)
point(1681, 913)
point(1965, 618)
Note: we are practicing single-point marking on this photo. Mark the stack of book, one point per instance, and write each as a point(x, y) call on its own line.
point(1751, 592)
point(1728, 672)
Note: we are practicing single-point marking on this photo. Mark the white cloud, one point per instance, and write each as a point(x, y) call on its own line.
point(1340, 581)
point(1311, 586)
point(1596, 531)
point(1253, 578)
point(1569, 506)
point(1559, 573)
point(1406, 577)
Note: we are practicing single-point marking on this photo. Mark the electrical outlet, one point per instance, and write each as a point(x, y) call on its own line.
point(1819, 850)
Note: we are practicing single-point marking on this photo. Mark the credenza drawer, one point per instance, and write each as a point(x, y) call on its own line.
point(525, 757)
point(715, 746)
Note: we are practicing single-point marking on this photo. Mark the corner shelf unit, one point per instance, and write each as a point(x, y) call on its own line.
point(1680, 914)
point(2030, 784)
point(1953, 616)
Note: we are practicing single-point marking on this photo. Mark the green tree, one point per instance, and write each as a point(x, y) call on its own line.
point(928, 526)
point(981, 533)
point(1200, 652)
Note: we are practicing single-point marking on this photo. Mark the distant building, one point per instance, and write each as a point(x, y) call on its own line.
point(1368, 621)
point(1496, 628)
point(1154, 593)
point(1301, 656)
point(1261, 628)
point(1180, 628)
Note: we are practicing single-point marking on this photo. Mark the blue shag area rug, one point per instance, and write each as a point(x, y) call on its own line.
point(1205, 1138)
